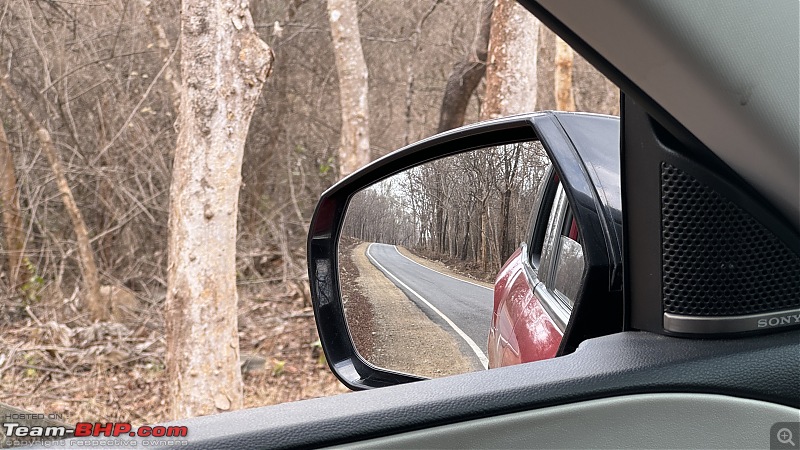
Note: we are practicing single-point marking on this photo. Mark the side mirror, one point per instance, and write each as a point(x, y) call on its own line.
point(489, 245)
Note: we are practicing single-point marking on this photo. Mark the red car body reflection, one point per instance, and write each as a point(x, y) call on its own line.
point(521, 330)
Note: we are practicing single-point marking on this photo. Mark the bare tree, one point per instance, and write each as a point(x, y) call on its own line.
point(432, 208)
point(160, 36)
point(224, 65)
point(411, 76)
point(354, 149)
point(467, 74)
point(565, 100)
point(98, 309)
point(510, 80)
point(511, 74)
point(12, 218)
point(591, 91)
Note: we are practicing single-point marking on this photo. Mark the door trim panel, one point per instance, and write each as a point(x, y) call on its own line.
point(676, 420)
point(610, 366)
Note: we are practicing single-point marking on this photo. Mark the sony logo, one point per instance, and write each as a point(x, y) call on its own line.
point(778, 321)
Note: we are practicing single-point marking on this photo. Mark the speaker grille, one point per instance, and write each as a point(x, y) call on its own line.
point(717, 260)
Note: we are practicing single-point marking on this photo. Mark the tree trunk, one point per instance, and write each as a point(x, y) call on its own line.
point(12, 218)
point(438, 232)
point(98, 309)
point(484, 238)
point(223, 68)
point(354, 149)
point(160, 36)
point(467, 74)
point(411, 76)
point(505, 246)
point(510, 180)
point(443, 235)
point(465, 245)
point(565, 100)
point(511, 71)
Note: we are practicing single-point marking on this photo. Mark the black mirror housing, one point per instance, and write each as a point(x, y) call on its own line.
point(600, 226)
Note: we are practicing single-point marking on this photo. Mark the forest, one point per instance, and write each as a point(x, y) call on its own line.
point(162, 158)
point(471, 210)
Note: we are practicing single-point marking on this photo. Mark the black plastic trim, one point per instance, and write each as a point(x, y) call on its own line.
point(759, 368)
point(599, 311)
point(599, 315)
point(539, 218)
point(645, 145)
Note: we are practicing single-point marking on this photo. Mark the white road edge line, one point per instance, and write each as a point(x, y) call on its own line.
point(481, 356)
point(440, 273)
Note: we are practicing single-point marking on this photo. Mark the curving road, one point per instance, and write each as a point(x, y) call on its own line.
point(461, 307)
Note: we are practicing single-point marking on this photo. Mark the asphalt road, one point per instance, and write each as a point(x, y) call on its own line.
point(461, 307)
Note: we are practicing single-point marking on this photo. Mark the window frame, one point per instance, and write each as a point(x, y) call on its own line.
point(558, 231)
point(552, 235)
point(545, 197)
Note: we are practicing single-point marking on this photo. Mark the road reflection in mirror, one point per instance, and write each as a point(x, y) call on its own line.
point(420, 250)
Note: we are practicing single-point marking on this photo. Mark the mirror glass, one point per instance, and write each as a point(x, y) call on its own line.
point(420, 252)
